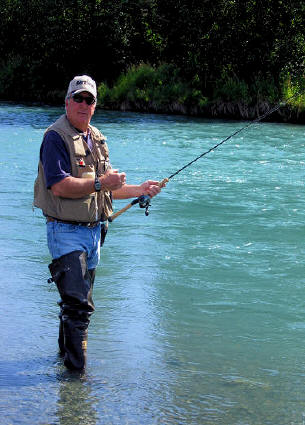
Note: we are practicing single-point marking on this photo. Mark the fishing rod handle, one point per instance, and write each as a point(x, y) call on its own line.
point(114, 216)
point(163, 182)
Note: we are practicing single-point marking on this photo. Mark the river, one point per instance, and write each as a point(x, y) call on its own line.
point(200, 307)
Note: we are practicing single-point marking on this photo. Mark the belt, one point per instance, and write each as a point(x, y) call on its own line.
point(75, 223)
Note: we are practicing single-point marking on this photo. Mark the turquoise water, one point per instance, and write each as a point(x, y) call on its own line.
point(200, 312)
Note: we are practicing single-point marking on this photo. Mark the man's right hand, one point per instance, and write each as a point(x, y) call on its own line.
point(112, 180)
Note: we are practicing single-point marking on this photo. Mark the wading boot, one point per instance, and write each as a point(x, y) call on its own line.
point(74, 283)
point(75, 337)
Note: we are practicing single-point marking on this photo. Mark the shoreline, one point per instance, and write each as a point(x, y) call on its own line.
point(238, 111)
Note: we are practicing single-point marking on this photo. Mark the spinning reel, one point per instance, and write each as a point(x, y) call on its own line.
point(144, 202)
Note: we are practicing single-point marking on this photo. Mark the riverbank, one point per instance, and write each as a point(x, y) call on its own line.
point(238, 111)
point(164, 90)
point(219, 110)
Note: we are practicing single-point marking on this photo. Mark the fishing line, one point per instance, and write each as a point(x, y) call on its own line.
point(144, 200)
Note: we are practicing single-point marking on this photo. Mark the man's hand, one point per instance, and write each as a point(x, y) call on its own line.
point(112, 180)
point(150, 187)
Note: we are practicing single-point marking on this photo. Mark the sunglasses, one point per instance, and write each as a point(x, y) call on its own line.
point(79, 99)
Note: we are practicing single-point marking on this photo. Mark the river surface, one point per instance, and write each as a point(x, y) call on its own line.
point(200, 307)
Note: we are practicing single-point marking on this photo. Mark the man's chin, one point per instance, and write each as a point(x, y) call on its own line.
point(83, 117)
point(84, 120)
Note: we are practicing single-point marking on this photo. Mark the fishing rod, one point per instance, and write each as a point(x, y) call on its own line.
point(144, 200)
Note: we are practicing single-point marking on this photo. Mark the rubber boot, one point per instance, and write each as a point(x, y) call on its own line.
point(61, 341)
point(76, 338)
point(74, 283)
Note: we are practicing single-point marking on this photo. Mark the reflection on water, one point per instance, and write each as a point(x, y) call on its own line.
point(199, 307)
point(75, 404)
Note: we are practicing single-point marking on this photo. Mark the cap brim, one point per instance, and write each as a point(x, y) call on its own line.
point(82, 90)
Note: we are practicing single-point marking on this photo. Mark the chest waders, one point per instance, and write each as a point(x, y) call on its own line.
point(75, 284)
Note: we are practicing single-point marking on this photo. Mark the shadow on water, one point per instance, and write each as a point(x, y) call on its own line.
point(25, 373)
point(73, 403)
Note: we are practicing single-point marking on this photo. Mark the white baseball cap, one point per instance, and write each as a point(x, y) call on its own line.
point(82, 83)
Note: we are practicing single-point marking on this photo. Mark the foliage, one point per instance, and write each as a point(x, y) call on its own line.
point(232, 50)
point(151, 87)
point(264, 89)
point(294, 88)
point(229, 88)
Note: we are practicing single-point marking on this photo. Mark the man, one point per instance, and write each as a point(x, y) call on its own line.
point(74, 188)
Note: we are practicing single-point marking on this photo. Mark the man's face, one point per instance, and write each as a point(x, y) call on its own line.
point(78, 112)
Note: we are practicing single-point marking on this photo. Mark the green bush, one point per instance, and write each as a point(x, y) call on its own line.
point(149, 86)
point(294, 87)
point(103, 94)
point(229, 88)
point(164, 89)
point(134, 85)
point(264, 89)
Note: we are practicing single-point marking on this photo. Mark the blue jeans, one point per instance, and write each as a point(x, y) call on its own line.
point(65, 238)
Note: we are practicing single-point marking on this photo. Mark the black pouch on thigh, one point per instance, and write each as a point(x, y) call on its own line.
point(104, 230)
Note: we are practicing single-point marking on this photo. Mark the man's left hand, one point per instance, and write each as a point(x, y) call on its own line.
point(151, 188)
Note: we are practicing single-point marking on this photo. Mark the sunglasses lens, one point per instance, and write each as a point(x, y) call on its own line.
point(89, 100)
point(79, 99)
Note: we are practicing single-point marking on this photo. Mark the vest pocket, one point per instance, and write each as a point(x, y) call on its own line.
point(86, 171)
point(83, 209)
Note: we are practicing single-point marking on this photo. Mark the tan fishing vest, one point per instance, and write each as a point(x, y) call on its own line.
point(93, 207)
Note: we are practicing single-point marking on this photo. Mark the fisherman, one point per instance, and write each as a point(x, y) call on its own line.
point(74, 189)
